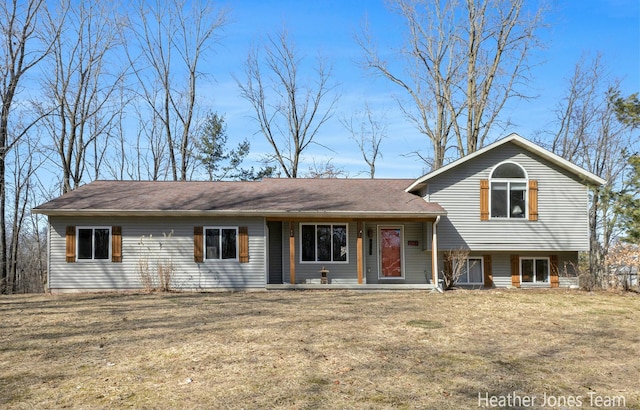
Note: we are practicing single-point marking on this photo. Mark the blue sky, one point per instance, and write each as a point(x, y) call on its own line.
point(576, 28)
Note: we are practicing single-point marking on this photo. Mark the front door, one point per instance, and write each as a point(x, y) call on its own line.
point(391, 252)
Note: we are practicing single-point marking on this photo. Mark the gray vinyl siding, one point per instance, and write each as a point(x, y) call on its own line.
point(562, 207)
point(97, 275)
point(311, 270)
point(501, 267)
point(417, 263)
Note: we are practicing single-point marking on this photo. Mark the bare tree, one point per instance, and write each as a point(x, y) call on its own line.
point(428, 72)
point(169, 41)
point(25, 162)
point(590, 135)
point(288, 112)
point(119, 165)
point(82, 86)
point(22, 49)
point(151, 156)
point(368, 131)
point(501, 35)
point(325, 169)
point(31, 266)
point(455, 264)
point(461, 63)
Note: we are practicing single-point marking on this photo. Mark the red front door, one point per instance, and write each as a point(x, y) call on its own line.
point(391, 252)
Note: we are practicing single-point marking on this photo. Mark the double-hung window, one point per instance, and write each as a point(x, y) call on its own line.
point(93, 243)
point(221, 243)
point(508, 191)
point(472, 271)
point(324, 243)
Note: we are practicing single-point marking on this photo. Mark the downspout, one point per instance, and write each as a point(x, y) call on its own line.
point(434, 255)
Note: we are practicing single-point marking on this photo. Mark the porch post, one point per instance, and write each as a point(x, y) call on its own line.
point(434, 252)
point(292, 254)
point(359, 252)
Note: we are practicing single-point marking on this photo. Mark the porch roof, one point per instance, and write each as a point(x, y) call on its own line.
point(282, 198)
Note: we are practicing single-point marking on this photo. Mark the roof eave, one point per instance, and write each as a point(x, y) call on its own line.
point(588, 177)
point(235, 213)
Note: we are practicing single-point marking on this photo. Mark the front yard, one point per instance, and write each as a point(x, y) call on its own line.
point(321, 349)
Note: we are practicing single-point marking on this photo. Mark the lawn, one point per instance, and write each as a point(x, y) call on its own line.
point(321, 349)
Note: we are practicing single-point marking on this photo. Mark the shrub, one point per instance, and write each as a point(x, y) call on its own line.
point(454, 265)
point(154, 253)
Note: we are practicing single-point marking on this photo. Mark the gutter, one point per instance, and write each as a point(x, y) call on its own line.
point(244, 213)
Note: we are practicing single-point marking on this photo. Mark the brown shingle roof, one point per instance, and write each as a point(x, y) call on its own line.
point(267, 197)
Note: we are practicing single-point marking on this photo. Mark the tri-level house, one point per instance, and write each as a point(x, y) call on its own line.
point(520, 211)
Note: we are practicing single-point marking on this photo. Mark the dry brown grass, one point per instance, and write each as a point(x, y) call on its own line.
point(316, 349)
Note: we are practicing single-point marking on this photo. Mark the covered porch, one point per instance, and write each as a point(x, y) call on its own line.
point(345, 286)
point(352, 253)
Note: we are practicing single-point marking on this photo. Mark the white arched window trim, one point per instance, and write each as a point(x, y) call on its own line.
point(493, 170)
point(513, 203)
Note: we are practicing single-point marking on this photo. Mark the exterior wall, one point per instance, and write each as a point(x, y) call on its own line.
point(309, 271)
point(417, 263)
point(105, 275)
point(501, 267)
point(97, 275)
point(562, 207)
point(223, 274)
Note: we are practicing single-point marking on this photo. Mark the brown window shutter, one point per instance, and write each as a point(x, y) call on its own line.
point(71, 243)
point(533, 200)
point(555, 279)
point(515, 271)
point(116, 244)
point(488, 274)
point(198, 247)
point(484, 199)
point(243, 238)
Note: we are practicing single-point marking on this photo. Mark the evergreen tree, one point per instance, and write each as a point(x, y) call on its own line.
point(628, 111)
point(629, 202)
point(219, 162)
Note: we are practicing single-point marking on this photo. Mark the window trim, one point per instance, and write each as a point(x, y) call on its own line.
point(509, 181)
point(535, 258)
point(93, 247)
point(481, 259)
point(315, 225)
point(204, 244)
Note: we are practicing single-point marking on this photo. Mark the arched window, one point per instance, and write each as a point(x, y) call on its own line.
point(508, 184)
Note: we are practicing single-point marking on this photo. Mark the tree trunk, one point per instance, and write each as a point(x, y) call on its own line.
point(3, 222)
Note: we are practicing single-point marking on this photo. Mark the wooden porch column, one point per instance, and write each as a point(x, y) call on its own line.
point(292, 254)
point(359, 252)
